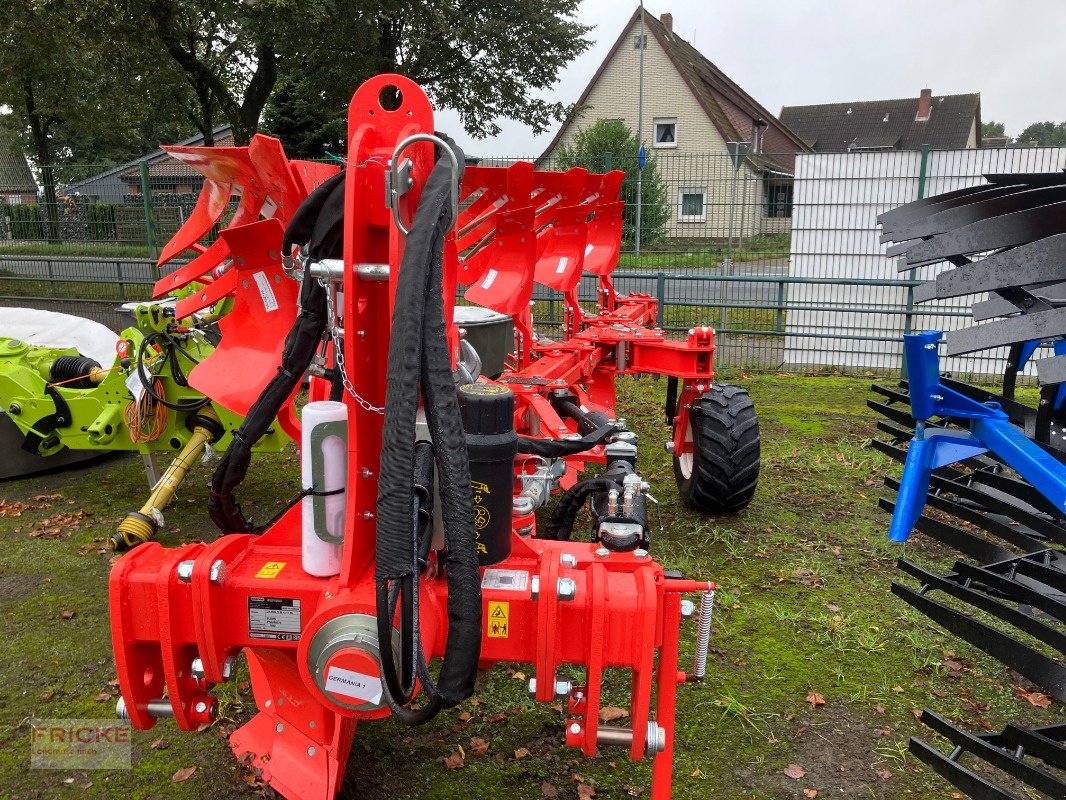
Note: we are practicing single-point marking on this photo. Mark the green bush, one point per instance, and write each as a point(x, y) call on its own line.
point(24, 221)
point(101, 222)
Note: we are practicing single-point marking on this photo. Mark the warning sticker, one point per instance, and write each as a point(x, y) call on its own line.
point(514, 580)
point(274, 618)
point(271, 569)
point(354, 685)
point(266, 291)
point(499, 617)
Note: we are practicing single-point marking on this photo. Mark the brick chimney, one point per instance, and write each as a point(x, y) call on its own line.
point(925, 105)
point(668, 21)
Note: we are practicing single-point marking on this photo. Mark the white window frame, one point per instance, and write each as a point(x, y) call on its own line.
point(655, 131)
point(683, 217)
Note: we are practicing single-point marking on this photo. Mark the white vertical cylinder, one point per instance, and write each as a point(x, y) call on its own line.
point(324, 468)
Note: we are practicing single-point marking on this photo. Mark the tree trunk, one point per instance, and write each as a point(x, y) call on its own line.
point(39, 128)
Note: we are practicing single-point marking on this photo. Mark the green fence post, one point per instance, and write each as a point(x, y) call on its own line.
point(149, 223)
point(779, 324)
point(908, 320)
point(52, 277)
point(121, 280)
point(922, 170)
point(908, 324)
point(660, 295)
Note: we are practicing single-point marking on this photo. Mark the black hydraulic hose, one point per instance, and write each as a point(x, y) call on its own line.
point(561, 524)
point(302, 341)
point(147, 378)
point(420, 366)
point(556, 448)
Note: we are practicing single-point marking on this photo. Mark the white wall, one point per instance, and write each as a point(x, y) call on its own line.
point(837, 198)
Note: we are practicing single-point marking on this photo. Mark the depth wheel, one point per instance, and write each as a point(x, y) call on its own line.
point(717, 468)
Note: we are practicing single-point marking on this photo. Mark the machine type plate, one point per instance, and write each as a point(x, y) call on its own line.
point(275, 618)
point(514, 580)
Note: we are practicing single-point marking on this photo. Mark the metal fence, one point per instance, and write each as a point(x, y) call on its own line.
point(781, 254)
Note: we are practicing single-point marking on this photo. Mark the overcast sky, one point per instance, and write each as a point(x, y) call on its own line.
point(797, 52)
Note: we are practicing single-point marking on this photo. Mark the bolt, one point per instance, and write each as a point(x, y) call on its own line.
point(691, 331)
point(197, 670)
point(640, 553)
point(522, 506)
point(200, 707)
point(938, 398)
point(185, 571)
point(533, 687)
point(366, 473)
point(688, 608)
point(218, 571)
point(930, 346)
point(566, 589)
point(368, 515)
point(562, 686)
point(575, 728)
point(568, 560)
point(121, 711)
point(534, 586)
point(669, 448)
point(311, 751)
point(603, 552)
point(14, 409)
point(229, 667)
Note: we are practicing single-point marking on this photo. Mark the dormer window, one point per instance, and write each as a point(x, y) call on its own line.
point(665, 131)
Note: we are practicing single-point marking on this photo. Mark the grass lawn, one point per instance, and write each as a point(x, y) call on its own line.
point(804, 615)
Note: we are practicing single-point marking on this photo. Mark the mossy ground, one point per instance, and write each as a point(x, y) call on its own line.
point(804, 606)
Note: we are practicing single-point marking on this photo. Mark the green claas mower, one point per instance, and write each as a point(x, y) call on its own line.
point(58, 401)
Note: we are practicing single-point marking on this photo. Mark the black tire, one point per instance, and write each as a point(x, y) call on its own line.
point(721, 474)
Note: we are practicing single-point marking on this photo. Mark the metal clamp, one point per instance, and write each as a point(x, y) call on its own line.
point(398, 178)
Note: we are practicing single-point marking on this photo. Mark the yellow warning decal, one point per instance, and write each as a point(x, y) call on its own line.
point(271, 569)
point(499, 613)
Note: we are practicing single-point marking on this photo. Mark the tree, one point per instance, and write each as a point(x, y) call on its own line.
point(609, 144)
point(991, 128)
point(56, 73)
point(483, 58)
point(308, 122)
point(1045, 134)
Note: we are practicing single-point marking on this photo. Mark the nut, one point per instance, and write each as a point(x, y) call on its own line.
point(566, 589)
point(185, 571)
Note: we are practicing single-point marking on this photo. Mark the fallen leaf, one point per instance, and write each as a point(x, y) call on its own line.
point(883, 774)
point(833, 607)
point(519, 676)
point(68, 615)
point(952, 665)
point(549, 790)
point(521, 752)
point(160, 744)
point(455, 760)
point(917, 713)
point(183, 774)
point(795, 771)
point(634, 791)
point(585, 791)
point(103, 697)
point(611, 713)
point(810, 792)
point(880, 709)
point(815, 699)
point(478, 746)
point(697, 773)
point(898, 689)
point(1038, 699)
point(466, 716)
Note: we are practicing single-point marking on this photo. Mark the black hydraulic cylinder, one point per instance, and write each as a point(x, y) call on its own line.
point(491, 444)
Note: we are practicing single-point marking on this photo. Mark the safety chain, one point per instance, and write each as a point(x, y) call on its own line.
point(338, 353)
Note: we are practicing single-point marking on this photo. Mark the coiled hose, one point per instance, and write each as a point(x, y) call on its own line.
point(420, 368)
